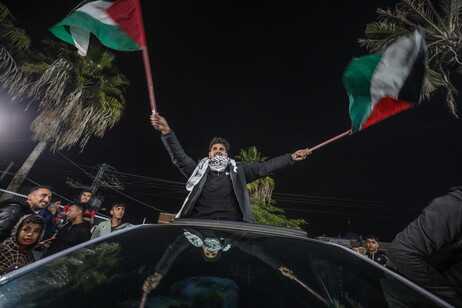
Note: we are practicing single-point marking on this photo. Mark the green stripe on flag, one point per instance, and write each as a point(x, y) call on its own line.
point(356, 79)
point(110, 35)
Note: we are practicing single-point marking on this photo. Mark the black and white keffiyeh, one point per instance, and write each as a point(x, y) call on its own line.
point(217, 163)
point(212, 244)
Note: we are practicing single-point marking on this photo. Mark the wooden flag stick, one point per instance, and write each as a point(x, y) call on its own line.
point(147, 64)
point(330, 140)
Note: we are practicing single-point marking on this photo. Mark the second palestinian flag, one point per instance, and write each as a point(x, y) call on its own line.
point(380, 86)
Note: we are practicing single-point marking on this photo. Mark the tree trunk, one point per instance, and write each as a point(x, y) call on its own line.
point(22, 173)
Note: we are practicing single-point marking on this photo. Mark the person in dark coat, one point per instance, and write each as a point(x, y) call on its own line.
point(372, 245)
point(11, 210)
point(73, 232)
point(211, 246)
point(16, 251)
point(218, 184)
point(429, 250)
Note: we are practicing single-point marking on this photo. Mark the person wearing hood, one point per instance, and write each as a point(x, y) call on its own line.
point(16, 251)
point(11, 210)
point(73, 232)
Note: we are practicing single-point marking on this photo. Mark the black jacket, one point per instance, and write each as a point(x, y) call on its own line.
point(69, 235)
point(10, 213)
point(246, 173)
point(429, 250)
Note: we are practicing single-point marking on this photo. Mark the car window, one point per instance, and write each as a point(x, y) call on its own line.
point(207, 267)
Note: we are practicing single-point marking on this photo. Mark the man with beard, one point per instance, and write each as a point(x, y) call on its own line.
point(84, 199)
point(11, 211)
point(73, 232)
point(218, 184)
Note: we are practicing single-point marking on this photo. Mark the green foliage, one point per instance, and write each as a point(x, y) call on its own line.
point(77, 97)
point(440, 21)
point(263, 206)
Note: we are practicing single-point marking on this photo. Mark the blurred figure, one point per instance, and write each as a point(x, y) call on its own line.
point(11, 211)
point(355, 249)
point(429, 251)
point(117, 213)
point(73, 232)
point(372, 246)
point(49, 215)
point(16, 251)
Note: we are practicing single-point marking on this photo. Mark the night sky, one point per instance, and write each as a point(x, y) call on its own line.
point(263, 73)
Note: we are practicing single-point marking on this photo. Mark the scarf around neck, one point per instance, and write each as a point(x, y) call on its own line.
point(217, 163)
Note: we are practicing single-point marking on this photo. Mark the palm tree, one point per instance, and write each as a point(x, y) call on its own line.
point(14, 46)
point(261, 190)
point(440, 20)
point(78, 97)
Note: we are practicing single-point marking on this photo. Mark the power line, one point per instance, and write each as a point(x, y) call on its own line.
point(110, 186)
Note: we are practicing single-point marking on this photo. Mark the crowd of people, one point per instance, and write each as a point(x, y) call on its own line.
point(38, 228)
point(428, 251)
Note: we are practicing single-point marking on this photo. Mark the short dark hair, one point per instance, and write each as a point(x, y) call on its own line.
point(80, 206)
point(220, 140)
point(33, 189)
point(371, 236)
point(118, 203)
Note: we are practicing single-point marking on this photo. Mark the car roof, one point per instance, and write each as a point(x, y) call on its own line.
point(264, 230)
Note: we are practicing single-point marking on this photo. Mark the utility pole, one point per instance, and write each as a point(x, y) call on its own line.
point(97, 181)
point(105, 178)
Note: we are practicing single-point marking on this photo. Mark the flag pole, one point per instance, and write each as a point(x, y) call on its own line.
point(147, 64)
point(331, 140)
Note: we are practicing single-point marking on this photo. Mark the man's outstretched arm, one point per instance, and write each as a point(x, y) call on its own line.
point(179, 158)
point(259, 170)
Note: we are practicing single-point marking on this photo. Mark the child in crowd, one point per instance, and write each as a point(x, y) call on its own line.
point(16, 251)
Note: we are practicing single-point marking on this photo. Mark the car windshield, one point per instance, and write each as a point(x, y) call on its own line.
point(191, 266)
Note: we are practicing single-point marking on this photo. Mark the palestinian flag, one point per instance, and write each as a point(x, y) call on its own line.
point(118, 25)
point(380, 86)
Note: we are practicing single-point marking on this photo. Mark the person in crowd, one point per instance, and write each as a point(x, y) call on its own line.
point(16, 251)
point(372, 245)
point(11, 211)
point(218, 184)
point(89, 213)
point(115, 223)
point(49, 215)
point(73, 232)
point(429, 250)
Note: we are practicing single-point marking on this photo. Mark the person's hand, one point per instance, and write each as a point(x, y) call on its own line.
point(301, 154)
point(160, 123)
point(152, 282)
point(286, 272)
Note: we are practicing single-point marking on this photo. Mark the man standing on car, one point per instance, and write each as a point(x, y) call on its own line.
point(218, 184)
